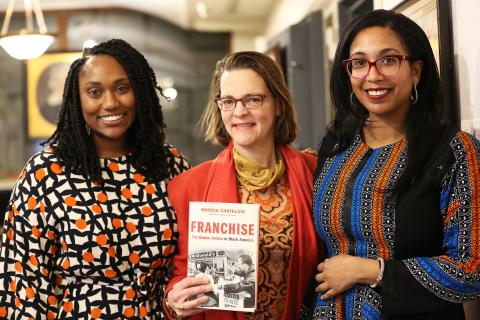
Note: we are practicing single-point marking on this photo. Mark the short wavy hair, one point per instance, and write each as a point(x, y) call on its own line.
point(286, 128)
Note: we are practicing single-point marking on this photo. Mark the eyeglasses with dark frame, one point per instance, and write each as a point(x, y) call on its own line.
point(386, 65)
point(250, 101)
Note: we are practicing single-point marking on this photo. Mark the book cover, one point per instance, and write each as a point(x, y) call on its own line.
point(223, 246)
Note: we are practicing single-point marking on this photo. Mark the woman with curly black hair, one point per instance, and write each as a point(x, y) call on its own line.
point(89, 231)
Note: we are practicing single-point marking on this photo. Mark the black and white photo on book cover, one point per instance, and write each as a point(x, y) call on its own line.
point(223, 246)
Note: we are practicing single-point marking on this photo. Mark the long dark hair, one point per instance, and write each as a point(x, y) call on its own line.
point(423, 120)
point(70, 141)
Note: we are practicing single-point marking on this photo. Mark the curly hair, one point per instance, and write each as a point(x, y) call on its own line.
point(70, 141)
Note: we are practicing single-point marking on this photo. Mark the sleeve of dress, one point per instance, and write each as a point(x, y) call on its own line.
point(175, 161)
point(430, 282)
point(27, 288)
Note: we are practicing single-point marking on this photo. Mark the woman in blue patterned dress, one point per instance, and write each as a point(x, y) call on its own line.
point(89, 231)
point(396, 192)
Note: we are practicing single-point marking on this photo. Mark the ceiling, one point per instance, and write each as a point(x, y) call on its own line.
point(221, 15)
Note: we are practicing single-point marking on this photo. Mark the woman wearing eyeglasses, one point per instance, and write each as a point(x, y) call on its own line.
point(251, 113)
point(396, 193)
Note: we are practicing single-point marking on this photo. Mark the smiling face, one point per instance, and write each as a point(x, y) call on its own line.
point(251, 130)
point(108, 103)
point(385, 97)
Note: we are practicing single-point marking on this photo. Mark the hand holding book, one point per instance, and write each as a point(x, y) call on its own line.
point(188, 295)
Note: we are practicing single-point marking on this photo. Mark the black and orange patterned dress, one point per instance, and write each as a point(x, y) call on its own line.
point(428, 236)
point(77, 249)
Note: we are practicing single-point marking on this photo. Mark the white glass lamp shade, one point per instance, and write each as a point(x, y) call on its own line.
point(170, 93)
point(26, 46)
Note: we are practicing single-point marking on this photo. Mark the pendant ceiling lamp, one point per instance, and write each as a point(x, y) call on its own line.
point(26, 44)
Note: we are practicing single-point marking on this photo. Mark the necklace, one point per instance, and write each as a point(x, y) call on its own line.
point(373, 141)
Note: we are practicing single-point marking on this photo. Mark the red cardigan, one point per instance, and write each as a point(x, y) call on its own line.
point(216, 181)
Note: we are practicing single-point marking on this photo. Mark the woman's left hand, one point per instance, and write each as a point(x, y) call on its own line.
point(338, 274)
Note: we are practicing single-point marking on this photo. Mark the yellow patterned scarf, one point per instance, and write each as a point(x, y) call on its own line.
point(254, 177)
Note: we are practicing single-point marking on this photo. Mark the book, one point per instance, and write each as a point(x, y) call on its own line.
point(223, 246)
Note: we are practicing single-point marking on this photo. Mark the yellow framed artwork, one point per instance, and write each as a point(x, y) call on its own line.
point(45, 81)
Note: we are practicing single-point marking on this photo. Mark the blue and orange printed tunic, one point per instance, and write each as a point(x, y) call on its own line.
point(74, 248)
point(429, 236)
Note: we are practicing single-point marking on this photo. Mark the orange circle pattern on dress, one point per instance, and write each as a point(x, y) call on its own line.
point(108, 230)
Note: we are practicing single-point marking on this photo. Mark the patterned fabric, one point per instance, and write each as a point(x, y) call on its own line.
point(255, 177)
point(77, 249)
point(355, 213)
point(276, 230)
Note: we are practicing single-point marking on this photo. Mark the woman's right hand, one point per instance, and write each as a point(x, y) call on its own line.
point(187, 295)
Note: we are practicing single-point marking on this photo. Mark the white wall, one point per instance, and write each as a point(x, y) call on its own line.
point(287, 13)
point(243, 41)
point(284, 14)
point(467, 61)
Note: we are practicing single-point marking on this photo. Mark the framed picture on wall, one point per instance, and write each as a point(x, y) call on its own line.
point(435, 18)
point(45, 80)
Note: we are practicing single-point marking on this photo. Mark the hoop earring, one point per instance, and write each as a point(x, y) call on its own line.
point(414, 94)
point(87, 129)
point(352, 97)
